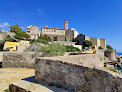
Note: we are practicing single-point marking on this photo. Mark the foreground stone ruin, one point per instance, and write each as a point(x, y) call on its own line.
point(76, 78)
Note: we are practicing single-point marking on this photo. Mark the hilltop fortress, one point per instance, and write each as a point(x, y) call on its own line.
point(64, 35)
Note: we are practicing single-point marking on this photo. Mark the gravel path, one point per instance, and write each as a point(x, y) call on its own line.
point(10, 75)
point(14, 75)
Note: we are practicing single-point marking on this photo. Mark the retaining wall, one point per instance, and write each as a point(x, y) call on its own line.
point(75, 77)
point(20, 59)
point(111, 54)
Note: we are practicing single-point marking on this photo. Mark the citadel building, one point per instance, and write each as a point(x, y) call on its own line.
point(33, 31)
point(62, 34)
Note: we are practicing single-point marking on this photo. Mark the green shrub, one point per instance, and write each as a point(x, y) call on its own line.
point(54, 49)
point(72, 49)
point(58, 86)
point(100, 48)
point(51, 84)
point(7, 90)
point(42, 41)
point(39, 40)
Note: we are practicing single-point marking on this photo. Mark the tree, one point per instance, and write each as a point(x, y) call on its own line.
point(87, 43)
point(55, 38)
point(65, 39)
point(20, 35)
point(46, 37)
point(74, 40)
point(78, 42)
point(108, 47)
point(71, 49)
point(54, 49)
point(15, 28)
point(100, 48)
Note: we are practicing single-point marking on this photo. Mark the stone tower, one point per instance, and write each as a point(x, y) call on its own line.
point(66, 24)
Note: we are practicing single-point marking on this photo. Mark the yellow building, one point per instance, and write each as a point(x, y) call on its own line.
point(13, 46)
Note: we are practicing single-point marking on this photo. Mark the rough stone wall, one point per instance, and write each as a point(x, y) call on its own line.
point(20, 59)
point(100, 52)
point(76, 78)
point(111, 54)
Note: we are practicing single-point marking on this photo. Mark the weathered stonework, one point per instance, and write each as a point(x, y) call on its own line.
point(19, 59)
point(75, 77)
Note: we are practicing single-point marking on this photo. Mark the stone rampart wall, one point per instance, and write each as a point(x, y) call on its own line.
point(75, 77)
point(20, 59)
point(110, 54)
point(84, 59)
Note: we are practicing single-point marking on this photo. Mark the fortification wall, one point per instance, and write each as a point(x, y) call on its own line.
point(76, 78)
point(111, 54)
point(20, 59)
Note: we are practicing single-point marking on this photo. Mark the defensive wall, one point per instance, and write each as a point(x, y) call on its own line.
point(20, 59)
point(27, 59)
point(66, 72)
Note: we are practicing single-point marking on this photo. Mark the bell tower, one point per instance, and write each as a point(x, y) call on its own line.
point(66, 24)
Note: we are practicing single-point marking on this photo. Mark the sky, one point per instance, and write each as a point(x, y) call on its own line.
point(94, 18)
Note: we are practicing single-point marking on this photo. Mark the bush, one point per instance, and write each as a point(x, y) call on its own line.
point(87, 43)
point(54, 49)
point(45, 37)
point(100, 48)
point(42, 41)
point(108, 47)
point(38, 40)
point(72, 49)
point(51, 84)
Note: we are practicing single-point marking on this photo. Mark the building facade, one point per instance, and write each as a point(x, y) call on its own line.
point(33, 31)
point(72, 32)
point(103, 43)
point(62, 34)
point(95, 41)
point(83, 37)
point(52, 31)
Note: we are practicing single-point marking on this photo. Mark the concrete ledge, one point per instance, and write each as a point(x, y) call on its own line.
point(25, 86)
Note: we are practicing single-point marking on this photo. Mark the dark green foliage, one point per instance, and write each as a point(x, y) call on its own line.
point(78, 42)
point(65, 39)
point(42, 41)
point(87, 43)
point(58, 86)
point(15, 28)
point(45, 37)
point(74, 40)
point(20, 35)
point(55, 38)
point(51, 84)
point(100, 48)
point(54, 49)
point(108, 47)
point(72, 49)
point(32, 41)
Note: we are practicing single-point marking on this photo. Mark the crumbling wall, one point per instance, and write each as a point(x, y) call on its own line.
point(75, 77)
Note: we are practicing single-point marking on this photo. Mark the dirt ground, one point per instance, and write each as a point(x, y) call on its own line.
point(10, 75)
